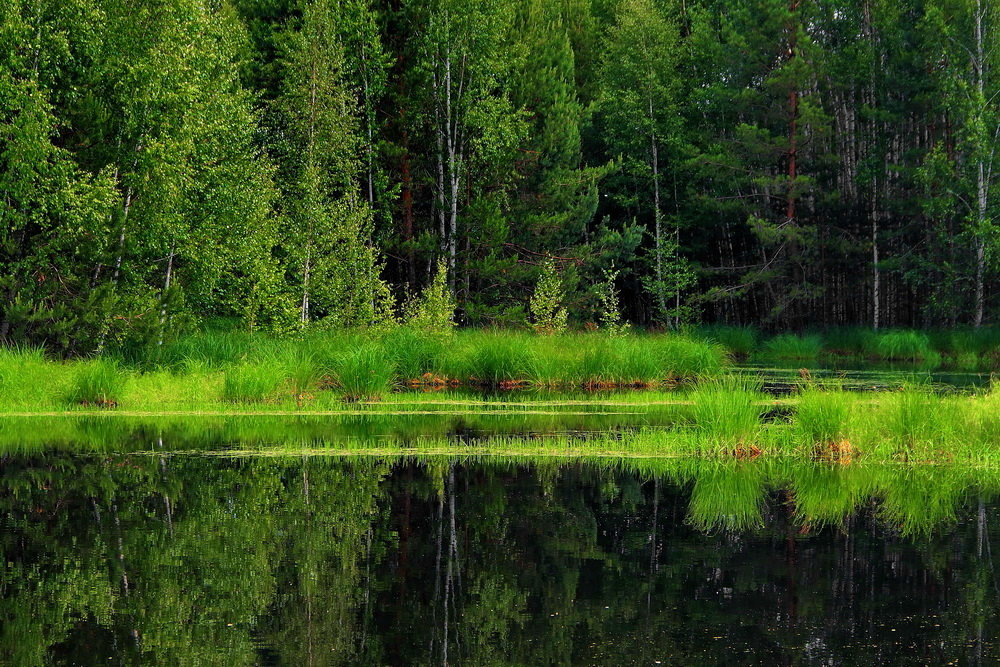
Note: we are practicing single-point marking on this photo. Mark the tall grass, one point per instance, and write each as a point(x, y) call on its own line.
point(901, 345)
point(791, 347)
point(364, 373)
point(100, 383)
point(739, 341)
point(251, 382)
point(29, 380)
point(822, 417)
point(727, 412)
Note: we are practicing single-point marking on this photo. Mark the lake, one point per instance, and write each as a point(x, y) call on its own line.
point(201, 546)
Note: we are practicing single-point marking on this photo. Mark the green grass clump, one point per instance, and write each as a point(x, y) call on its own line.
point(99, 383)
point(822, 417)
point(252, 382)
point(739, 341)
point(901, 345)
point(845, 341)
point(685, 358)
point(364, 373)
point(414, 352)
point(29, 380)
point(728, 411)
point(490, 359)
point(792, 347)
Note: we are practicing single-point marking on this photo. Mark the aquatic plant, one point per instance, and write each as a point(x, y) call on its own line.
point(739, 341)
point(821, 418)
point(727, 413)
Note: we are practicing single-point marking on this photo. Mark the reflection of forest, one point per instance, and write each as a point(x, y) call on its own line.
point(190, 559)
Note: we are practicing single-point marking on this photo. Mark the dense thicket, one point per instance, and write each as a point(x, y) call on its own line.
point(780, 162)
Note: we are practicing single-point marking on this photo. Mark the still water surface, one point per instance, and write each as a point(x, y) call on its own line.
point(155, 557)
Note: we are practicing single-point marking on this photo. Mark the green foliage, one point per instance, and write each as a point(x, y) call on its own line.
point(727, 411)
point(610, 316)
point(821, 416)
point(739, 341)
point(364, 373)
point(433, 312)
point(548, 314)
point(900, 346)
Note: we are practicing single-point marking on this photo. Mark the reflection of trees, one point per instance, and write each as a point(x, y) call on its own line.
point(182, 561)
point(294, 560)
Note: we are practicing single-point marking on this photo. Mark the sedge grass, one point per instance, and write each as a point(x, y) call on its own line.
point(99, 383)
point(791, 347)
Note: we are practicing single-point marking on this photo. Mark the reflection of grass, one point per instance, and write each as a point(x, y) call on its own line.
point(728, 497)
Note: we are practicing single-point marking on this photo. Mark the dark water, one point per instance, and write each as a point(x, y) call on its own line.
point(214, 559)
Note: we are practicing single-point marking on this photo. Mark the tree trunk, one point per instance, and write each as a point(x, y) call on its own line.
point(982, 187)
point(304, 314)
point(163, 296)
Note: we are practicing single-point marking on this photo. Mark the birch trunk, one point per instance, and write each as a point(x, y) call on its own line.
point(982, 187)
point(163, 295)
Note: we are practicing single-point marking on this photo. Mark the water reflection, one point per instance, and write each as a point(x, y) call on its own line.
point(191, 559)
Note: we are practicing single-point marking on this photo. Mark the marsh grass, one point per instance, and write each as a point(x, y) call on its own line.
point(726, 413)
point(29, 379)
point(99, 383)
point(364, 373)
point(251, 382)
point(901, 345)
point(739, 341)
point(822, 417)
point(791, 347)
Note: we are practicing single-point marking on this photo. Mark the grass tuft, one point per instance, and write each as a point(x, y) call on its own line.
point(99, 383)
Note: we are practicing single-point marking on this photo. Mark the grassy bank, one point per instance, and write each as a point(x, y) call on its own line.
point(720, 420)
point(951, 348)
point(325, 368)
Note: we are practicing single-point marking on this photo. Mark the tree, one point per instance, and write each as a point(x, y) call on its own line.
point(639, 85)
point(328, 239)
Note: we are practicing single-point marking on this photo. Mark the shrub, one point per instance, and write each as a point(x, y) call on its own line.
point(547, 312)
point(433, 312)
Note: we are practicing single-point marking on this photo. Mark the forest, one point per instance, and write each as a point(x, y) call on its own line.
point(784, 164)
